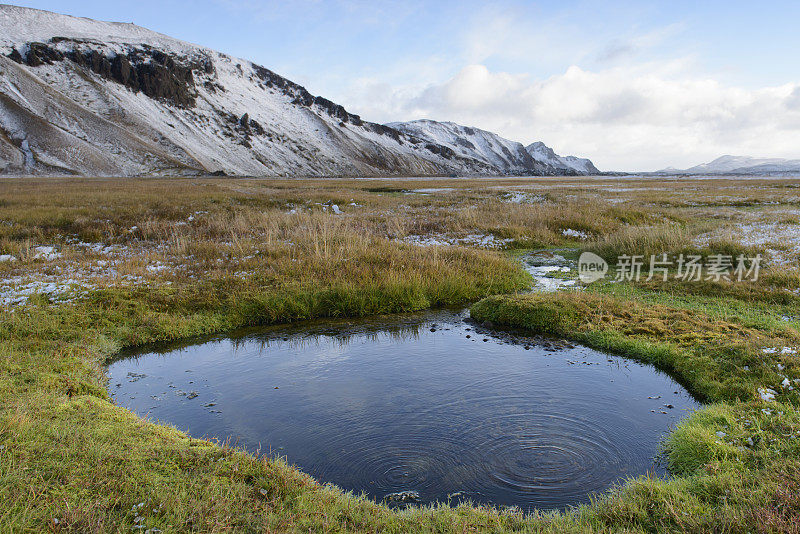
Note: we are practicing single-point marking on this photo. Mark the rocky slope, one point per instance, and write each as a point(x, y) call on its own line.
point(508, 157)
point(83, 97)
point(565, 164)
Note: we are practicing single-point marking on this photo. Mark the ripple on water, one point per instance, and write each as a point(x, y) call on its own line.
point(418, 409)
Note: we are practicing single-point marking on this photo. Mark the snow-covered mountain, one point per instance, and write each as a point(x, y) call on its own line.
point(79, 96)
point(742, 165)
point(566, 164)
point(508, 157)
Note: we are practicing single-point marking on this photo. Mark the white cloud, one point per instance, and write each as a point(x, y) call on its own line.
point(627, 118)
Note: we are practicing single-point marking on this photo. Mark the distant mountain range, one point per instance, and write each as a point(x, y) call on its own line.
point(83, 97)
point(741, 165)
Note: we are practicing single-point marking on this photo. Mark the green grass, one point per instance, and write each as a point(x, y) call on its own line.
point(89, 461)
point(72, 461)
point(763, 310)
point(736, 464)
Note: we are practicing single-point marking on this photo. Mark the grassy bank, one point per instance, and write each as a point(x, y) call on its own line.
point(70, 455)
point(97, 265)
point(738, 459)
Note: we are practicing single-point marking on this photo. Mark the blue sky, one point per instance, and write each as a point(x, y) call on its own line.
point(634, 85)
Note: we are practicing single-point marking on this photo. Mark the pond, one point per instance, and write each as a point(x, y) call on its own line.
point(418, 408)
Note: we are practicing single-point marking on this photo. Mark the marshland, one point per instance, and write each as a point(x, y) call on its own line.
point(94, 270)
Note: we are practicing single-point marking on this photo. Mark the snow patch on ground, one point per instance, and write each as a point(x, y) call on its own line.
point(520, 197)
point(66, 280)
point(16, 292)
point(767, 394)
point(569, 232)
point(441, 240)
point(46, 253)
point(157, 267)
point(767, 234)
point(779, 350)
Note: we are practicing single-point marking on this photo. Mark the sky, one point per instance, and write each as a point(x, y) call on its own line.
point(634, 86)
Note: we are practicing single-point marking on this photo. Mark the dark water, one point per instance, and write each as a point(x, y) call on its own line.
point(388, 405)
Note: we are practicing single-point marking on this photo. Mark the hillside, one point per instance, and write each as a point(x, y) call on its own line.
point(83, 97)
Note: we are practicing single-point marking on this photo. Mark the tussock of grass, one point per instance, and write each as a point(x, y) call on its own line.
point(642, 240)
point(670, 238)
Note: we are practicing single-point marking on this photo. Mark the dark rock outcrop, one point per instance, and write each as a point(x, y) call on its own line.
point(388, 131)
point(250, 126)
point(154, 73)
point(440, 150)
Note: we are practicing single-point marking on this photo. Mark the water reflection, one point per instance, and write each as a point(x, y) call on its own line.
point(422, 403)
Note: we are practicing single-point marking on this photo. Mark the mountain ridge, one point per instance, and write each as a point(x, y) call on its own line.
point(729, 164)
point(510, 157)
point(86, 97)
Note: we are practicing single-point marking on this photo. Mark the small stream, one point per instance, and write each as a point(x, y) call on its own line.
point(416, 408)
